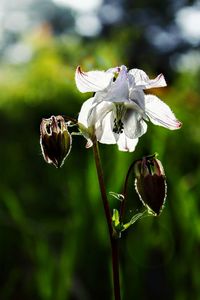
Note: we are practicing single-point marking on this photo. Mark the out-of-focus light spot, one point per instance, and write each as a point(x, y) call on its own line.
point(188, 20)
point(14, 4)
point(18, 53)
point(110, 13)
point(16, 22)
point(163, 40)
point(88, 25)
point(80, 5)
point(186, 62)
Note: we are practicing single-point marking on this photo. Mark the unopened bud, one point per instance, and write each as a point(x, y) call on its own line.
point(55, 140)
point(150, 183)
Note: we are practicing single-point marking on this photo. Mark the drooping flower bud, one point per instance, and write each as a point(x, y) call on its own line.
point(55, 140)
point(150, 183)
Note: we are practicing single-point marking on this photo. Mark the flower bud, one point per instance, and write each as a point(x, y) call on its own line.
point(55, 140)
point(150, 183)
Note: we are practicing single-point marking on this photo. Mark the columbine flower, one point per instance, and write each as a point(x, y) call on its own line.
point(119, 108)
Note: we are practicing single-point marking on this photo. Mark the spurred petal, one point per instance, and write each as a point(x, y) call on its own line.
point(92, 81)
point(139, 79)
point(160, 114)
point(126, 144)
point(134, 125)
point(118, 91)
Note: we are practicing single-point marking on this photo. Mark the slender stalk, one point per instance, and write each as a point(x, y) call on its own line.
point(124, 193)
point(113, 240)
point(115, 266)
point(102, 187)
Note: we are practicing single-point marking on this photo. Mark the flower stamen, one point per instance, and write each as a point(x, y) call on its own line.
point(118, 126)
point(119, 114)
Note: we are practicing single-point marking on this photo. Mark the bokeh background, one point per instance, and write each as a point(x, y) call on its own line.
point(53, 235)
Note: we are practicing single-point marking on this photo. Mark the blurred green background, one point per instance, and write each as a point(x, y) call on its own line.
point(53, 236)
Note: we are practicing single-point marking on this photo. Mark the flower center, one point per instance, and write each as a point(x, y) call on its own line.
point(119, 113)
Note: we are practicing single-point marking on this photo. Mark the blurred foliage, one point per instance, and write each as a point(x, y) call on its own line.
point(53, 234)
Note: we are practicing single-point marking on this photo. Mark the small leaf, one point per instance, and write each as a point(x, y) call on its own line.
point(134, 219)
point(115, 218)
point(119, 197)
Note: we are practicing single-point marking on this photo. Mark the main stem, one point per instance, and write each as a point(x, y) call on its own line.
point(113, 240)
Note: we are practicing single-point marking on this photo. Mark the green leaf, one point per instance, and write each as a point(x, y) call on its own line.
point(134, 219)
point(119, 197)
point(115, 218)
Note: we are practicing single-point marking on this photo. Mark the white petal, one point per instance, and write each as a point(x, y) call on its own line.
point(98, 112)
point(113, 70)
point(89, 143)
point(160, 114)
point(92, 81)
point(134, 125)
point(85, 112)
point(138, 78)
point(126, 144)
point(118, 91)
point(138, 97)
point(83, 121)
point(100, 96)
point(104, 132)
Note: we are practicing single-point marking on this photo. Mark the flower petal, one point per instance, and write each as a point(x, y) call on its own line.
point(138, 97)
point(134, 125)
point(84, 125)
point(85, 112)
point(113, 70)
point(139, 79)
point(160, 114)
point(98, 112)
point(118, 91)
point(104, 132)
point(126, 144)
point(92, 81)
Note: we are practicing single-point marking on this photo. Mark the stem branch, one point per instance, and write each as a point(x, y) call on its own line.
point(125, 192)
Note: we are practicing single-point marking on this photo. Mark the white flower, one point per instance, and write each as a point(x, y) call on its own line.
point(119, 108)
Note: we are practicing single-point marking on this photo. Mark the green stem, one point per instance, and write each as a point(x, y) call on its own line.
point(113, 240)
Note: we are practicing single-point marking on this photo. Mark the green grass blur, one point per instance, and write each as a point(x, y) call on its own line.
point(53, 235)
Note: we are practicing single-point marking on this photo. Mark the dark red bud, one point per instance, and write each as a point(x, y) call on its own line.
point(150, 183)
point(55, 140)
